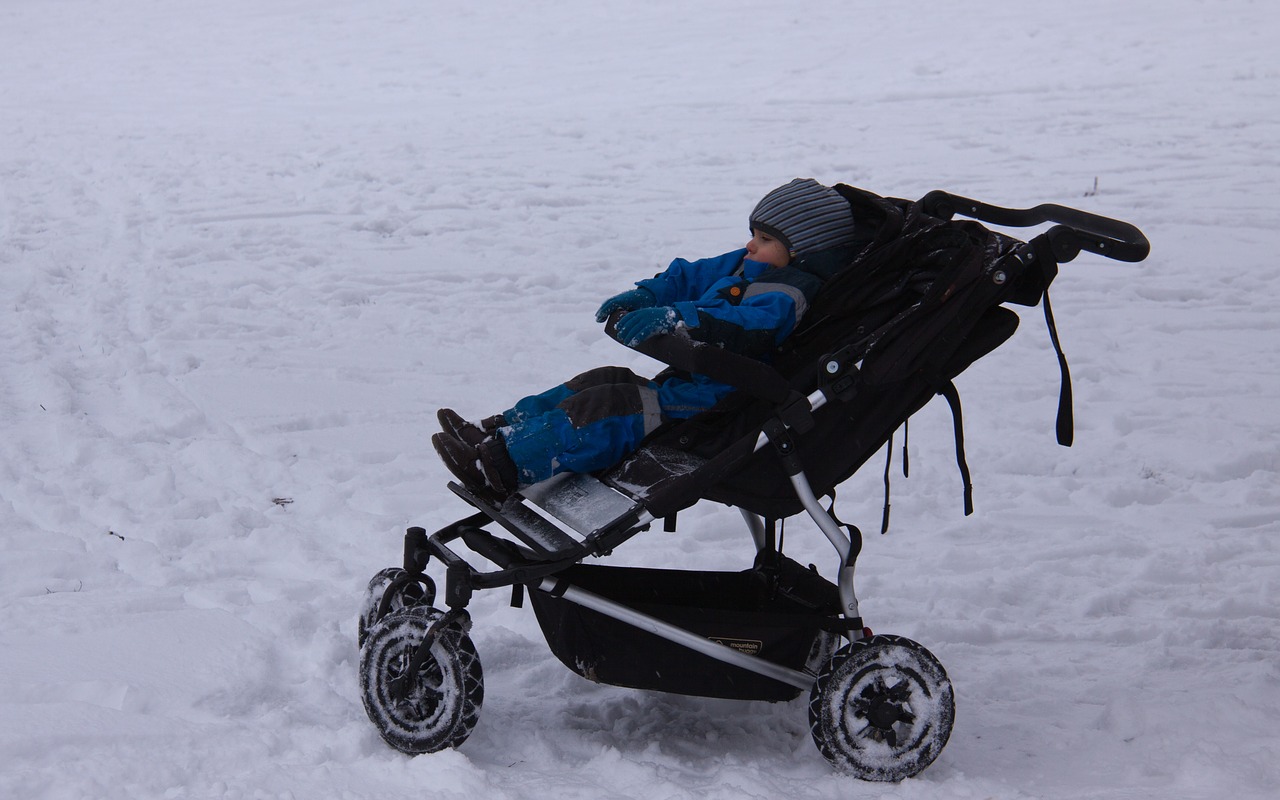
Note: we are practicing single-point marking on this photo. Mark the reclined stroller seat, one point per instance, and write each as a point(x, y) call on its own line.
point(873, 341)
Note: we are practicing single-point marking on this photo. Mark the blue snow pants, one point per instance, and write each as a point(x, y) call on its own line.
point(596, 419)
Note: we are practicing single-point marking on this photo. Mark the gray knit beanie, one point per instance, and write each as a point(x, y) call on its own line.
point(806, 216)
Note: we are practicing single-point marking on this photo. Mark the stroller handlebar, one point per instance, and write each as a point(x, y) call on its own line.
point(1076, 230)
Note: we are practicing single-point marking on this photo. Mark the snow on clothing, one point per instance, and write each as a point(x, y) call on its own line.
point(594, 420)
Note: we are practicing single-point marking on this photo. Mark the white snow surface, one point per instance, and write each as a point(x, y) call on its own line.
point(248, 247)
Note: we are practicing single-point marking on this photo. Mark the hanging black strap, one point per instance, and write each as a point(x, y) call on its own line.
point(1066, 421)
point(888, 465)
point(906, 456)
point(1047, 263)
point(953, 399)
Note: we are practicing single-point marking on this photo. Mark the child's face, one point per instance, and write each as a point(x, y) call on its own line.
point(767, 250)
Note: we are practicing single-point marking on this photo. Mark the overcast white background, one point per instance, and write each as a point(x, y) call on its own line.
point(247, 248)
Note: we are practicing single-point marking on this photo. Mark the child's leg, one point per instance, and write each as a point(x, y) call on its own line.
point(538, 404)
point(589, 430)
point(681, 398)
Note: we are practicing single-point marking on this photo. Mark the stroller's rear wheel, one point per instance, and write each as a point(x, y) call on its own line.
point(430, 707)
point(882, 709)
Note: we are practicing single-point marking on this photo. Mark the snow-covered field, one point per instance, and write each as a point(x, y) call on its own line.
point(248, 247)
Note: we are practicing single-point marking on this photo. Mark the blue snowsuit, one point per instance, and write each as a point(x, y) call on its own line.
point(595, 419)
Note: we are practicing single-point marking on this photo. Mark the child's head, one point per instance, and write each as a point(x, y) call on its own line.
point(804, 216)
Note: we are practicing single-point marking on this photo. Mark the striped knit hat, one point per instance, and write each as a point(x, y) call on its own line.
point(805, 215)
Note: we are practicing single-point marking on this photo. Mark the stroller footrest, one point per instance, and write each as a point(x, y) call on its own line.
point(546, 539)
point(579, 501)
point(563, 517)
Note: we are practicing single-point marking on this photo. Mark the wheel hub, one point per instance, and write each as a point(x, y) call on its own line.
point(883, 707)
point(884, 715)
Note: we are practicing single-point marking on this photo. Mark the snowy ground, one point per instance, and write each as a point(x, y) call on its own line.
point(248, 247)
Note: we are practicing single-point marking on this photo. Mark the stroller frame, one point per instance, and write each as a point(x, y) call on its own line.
point(532, 517)
point(881, 708)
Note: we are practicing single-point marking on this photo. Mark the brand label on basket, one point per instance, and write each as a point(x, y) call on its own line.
point(751, 647)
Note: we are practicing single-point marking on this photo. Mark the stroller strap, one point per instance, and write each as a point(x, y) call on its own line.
point(947, 390)
point(950, 392)
point(1048, 263)
point(1066, 419)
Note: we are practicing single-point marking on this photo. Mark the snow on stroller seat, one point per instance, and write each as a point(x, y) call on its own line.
point(917, 306)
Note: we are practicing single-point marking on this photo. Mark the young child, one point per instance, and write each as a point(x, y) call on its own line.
point(747, 301)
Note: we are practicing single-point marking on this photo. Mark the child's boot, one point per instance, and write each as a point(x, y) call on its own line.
point(452, 423)
point(460, 458)
point(496, 464)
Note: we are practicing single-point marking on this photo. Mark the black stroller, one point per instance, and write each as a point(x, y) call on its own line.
point(916, 307)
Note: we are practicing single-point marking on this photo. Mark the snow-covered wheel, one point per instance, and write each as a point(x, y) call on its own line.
point(405, 592)
point(824, 647)
point(882, 709)
point(434, 706)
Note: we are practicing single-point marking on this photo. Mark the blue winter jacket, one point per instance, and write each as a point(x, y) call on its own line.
point(733, 302)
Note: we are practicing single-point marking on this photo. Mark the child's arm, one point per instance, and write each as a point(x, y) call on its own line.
point(751, 318)
point(689, 280)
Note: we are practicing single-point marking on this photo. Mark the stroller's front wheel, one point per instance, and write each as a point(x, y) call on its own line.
point(391, 590)
point(882, 709)
point(421, 702)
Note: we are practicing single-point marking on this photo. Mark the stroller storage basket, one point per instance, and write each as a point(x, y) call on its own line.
point(779, 613)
